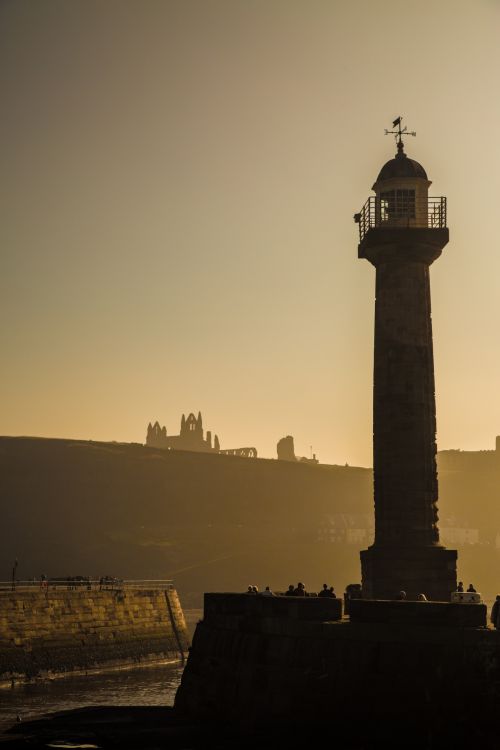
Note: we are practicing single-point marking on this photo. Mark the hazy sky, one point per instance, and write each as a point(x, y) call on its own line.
point(178, 180)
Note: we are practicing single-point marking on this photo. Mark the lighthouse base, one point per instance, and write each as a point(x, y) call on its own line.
point(395, 675)
point(385, 571)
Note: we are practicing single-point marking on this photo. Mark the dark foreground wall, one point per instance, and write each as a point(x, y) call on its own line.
point(267, 668)
point(57, 631)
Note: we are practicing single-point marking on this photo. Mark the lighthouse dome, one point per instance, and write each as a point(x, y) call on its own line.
point(401, 166)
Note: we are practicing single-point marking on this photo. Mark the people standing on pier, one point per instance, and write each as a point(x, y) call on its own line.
point(460, 587)
point(471, 589)
point(291, 590)
point(495, 612)
point(328, 592)
point(300, 590)
point(267, 592)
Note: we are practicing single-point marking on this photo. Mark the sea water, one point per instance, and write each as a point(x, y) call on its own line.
point(154, 685)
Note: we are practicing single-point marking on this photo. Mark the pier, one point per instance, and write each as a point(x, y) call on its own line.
point(54, 627)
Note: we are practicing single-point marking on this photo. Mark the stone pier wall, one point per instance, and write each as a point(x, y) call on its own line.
point(43, 633)
point(267, 668)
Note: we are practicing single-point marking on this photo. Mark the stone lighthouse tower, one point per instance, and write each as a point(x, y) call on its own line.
point(402, 231)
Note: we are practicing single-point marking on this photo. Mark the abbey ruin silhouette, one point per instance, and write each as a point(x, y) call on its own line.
point(286, 452)
point(192, 438)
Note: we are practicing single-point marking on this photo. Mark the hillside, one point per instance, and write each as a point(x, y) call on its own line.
point(470, 491)
point(209, 521)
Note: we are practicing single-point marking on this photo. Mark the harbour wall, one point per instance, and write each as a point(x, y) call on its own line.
point(52, 632)
point(393, 666)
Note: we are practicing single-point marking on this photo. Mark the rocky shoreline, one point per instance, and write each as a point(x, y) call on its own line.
point(151, 728)
point(105, 727)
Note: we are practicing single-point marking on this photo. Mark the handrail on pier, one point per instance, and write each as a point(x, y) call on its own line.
point(87, 583)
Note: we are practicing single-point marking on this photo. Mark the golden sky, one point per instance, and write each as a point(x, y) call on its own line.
point(178, 180)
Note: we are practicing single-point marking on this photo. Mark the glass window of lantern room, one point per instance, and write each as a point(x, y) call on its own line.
point(397, 204)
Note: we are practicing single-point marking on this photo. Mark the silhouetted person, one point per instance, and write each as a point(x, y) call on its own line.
point(250, 590)
point(460, 587)
point(300, 590)
point(324, 591)
point(267, 592)
point(401, 596)
point(291, 590)
point(331, 593)
point(494, 612)
point(471, 589)
point(255, 589)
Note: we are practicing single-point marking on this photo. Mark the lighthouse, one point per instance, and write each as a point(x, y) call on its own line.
point(402, 231)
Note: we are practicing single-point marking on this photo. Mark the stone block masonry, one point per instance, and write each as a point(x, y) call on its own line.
point(395, 667)
point(56, 631)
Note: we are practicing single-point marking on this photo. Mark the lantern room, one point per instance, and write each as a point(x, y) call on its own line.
point(401, 200)
point(401, 193)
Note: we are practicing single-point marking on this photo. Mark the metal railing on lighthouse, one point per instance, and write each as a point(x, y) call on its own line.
point(378, 213)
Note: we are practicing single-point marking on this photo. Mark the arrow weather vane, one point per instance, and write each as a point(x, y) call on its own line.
point(399, 132)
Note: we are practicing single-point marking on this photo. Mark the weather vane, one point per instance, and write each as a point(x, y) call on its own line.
point(399, 132)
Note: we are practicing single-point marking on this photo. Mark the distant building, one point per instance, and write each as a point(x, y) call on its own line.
point(285, 449)
point(358, 528)
point(286, 452)
point(191, 438)
point(458, 460)
point(346, 528)
point(453, 532)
